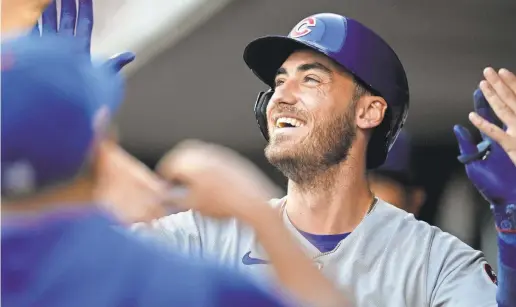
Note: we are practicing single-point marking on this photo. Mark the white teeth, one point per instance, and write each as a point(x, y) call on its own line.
point(283, 122)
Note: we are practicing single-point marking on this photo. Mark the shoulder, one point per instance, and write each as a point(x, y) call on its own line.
point(402, 231)
point(408, 228)
point(177, 222)
point(441, 260)
point(193, 221)
point(203, 236)
point(446, 259)
point(439, 243)
point(399, 222)
point(184, 224)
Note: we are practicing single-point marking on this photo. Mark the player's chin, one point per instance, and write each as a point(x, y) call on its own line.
point(290, 141)
point(284, 142)
point(275, 153)
point(283, 147)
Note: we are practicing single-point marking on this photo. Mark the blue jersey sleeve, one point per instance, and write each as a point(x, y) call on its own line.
point(506, 295)
point(505, 219)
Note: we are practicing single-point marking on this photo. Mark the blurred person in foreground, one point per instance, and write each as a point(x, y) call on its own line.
point(123, 181)
point(58, 249)
point(394, 182)
point(491, 167)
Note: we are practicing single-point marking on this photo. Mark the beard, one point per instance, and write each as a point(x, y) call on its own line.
point(328, 145)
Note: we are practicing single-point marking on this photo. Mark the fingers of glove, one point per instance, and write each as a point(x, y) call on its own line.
point(68, 17)
point(119, 61)
point(481, 105)
point(467, 145)
point(49, 19)
point(483, 109)
point(85, 22)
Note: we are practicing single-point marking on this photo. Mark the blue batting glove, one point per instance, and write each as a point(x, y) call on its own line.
point(490, 169)
point(77, 23)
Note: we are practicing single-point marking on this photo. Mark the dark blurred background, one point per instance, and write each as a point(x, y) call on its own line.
point(190, 81)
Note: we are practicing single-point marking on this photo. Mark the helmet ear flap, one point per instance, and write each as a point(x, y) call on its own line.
point(260, 111)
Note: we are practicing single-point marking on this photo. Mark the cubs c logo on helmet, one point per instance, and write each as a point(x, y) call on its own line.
point(303, 27)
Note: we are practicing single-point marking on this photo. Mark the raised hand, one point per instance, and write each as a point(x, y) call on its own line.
point(77, 22)
point(488, 164)
point(218, 181)
point(500, 92)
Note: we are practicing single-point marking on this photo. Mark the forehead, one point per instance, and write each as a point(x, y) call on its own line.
point(308, 56)
point(302, 57)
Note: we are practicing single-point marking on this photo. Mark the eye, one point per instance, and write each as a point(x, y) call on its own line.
point(278, 82)
point(312, 79)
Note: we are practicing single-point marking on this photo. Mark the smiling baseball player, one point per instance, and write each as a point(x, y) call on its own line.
point(338, 98)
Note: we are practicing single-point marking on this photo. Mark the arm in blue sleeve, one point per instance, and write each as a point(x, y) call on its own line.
point(505, 217)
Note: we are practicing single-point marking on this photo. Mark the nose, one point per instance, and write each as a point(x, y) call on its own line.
point(284, 94)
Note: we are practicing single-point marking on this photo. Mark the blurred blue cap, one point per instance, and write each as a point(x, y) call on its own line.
point(398, 162)
point(55, 103)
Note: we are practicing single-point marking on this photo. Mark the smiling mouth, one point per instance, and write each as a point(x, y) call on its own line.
point(288, 122)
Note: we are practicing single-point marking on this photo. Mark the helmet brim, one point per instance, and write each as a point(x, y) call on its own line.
point(265, 55)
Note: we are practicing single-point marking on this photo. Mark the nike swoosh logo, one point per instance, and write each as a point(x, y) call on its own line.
point(247, 260)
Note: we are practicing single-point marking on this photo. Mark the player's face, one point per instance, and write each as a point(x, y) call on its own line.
point(310, 116)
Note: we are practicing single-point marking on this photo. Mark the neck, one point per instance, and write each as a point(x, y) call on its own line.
point(76, 194)
point(336, 203)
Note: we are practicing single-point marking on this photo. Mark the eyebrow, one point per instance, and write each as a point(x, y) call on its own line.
point(305, 67)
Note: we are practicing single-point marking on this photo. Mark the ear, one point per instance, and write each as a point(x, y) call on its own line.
point(370, 111)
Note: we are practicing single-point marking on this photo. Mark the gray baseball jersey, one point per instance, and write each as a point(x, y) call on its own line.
point(390, 259)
